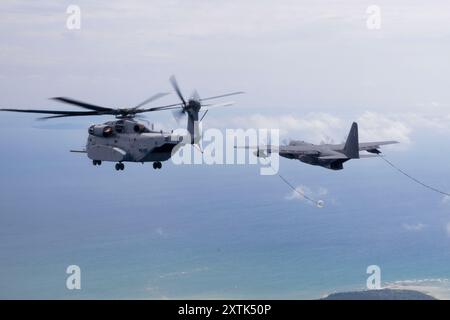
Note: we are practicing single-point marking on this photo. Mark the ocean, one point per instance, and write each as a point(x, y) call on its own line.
point(224, 231)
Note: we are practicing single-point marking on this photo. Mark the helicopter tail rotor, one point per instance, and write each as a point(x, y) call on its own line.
point(189, 108)
point(192, 106)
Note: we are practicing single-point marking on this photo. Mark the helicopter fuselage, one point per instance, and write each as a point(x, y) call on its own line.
point(126, 140)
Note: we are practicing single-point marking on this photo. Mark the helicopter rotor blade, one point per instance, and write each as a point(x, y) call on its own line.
point(87, 113)
point(176, 87)
point(55, 112)
point(81, 104)
point(152, 98)
point(161, 108)
point(95, 110)
point(225, 104)
point(223, 95)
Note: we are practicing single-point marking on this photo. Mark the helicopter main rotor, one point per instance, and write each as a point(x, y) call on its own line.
point(121, 113)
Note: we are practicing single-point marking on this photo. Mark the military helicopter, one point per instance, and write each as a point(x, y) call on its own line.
point(127, 140)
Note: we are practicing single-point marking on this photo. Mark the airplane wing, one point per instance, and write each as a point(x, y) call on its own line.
point(334, 157)
point(374, 145)
point(370, 156)
point(284, 150)
point(299, 150)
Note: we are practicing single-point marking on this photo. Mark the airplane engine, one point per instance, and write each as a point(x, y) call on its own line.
point(376, 151)
point(103, 131)
point(336, 165)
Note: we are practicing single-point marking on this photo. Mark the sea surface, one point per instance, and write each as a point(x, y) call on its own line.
point(219, 231)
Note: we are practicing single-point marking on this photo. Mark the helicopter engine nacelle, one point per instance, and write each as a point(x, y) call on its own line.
point(103, 131)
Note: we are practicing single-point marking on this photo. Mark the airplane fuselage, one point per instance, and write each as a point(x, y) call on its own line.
point(314, 159)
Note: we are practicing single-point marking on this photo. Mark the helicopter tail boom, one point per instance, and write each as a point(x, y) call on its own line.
point(193, 125)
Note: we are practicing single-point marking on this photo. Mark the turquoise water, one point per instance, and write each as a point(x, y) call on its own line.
point(210, 232)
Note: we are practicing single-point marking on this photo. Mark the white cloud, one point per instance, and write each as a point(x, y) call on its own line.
point(304, 193)
point(414, 227)
point(445, 199)
point(319, 125)
point(380, 127)
point(438, 288)
point(177, 274)
point(293, 55)
point(161, 232)
point(330, 128)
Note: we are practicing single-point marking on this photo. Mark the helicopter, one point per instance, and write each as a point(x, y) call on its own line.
point(128, 140)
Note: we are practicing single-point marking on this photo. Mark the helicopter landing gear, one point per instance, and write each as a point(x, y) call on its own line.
point(120, 166)
point(157, 165)
point(96, 162)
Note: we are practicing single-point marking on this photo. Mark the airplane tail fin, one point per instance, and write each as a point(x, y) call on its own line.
point(351, 148)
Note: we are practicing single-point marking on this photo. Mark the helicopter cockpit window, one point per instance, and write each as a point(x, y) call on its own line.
point(139, 128)
point(119, 128)
point(107, 131)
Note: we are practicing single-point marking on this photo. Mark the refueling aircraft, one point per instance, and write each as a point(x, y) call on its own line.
point(330, 156)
